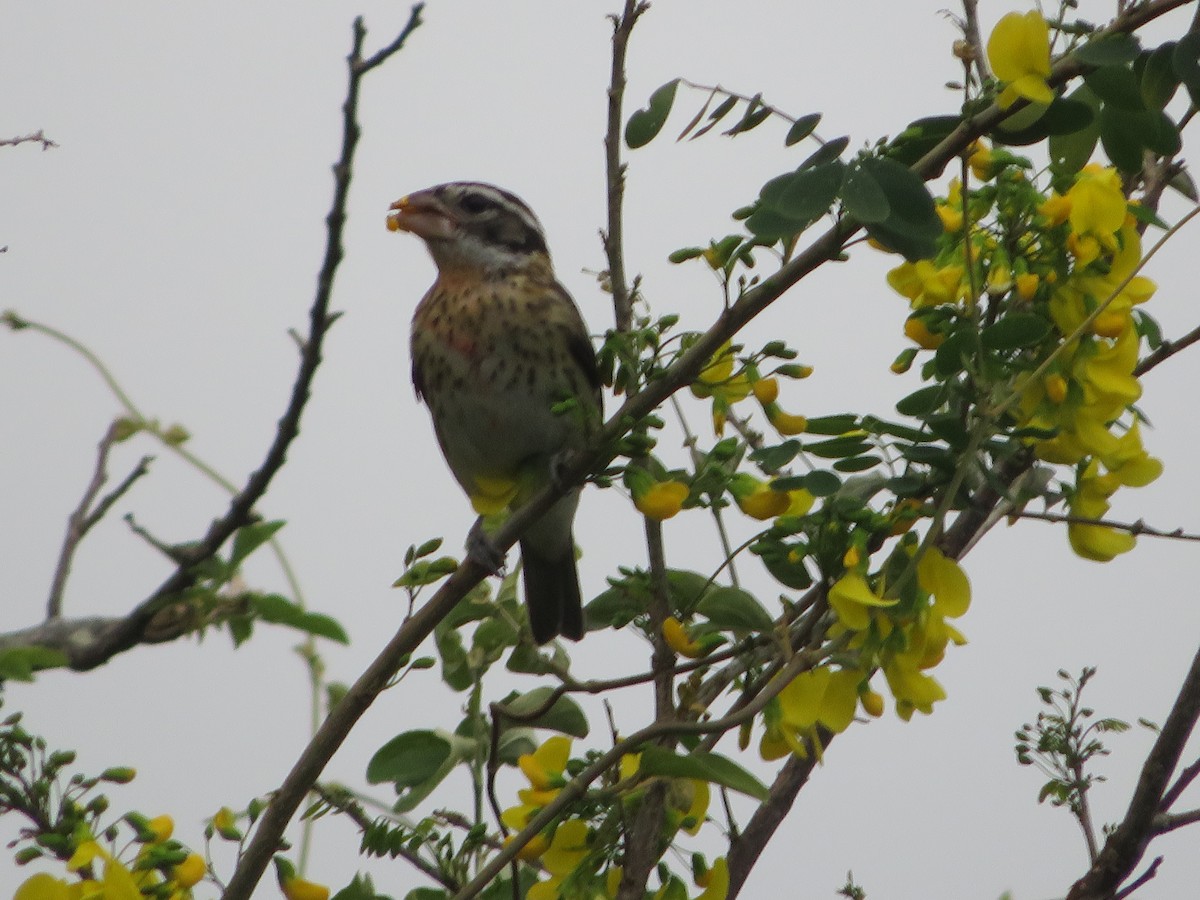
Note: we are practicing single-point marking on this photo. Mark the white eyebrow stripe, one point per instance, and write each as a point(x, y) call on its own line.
point(507, 200)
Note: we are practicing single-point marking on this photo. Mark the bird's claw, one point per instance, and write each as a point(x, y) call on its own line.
point(481, 550)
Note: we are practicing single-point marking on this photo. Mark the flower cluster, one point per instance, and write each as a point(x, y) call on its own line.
point(570, 852)
point(1061, 268)
point(161, 868)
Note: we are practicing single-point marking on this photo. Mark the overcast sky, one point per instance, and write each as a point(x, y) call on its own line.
point(177, 230)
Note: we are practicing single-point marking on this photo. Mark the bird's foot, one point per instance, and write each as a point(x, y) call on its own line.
point(559, 463)
point(481, 549)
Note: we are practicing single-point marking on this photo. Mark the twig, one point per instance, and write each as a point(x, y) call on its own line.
point(614, 235)
point(1165, 351)
point(38, 137)
point(1150, 872)
point(1165, 823)
point(970, 29)
point(342, 717)
point(1128, 842)
point(82, 520)
point(1186, 777)
point(1134, 528)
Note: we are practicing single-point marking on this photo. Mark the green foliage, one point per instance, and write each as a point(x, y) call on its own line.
point(1065, 741)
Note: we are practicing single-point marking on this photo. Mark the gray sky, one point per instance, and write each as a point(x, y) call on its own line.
point(177, 230)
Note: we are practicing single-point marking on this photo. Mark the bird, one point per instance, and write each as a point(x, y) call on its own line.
point(497, 346)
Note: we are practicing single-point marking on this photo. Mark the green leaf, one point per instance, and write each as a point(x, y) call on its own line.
point(857, 464)
point(409, 759)
point(785, 566)
point(1072, 151)
point(938, 457)
point(863, 197)
point(732, 609)
point(838, 447)
point(802, 128)
point(1116, 86)
point(775, 457)
point(250, 537)
point(832, 425)
point(564, 716)
point(1159, 81)
point(619, 605)
point(456, 668)
point(756, 113)
point(821, 483)
point(769, 226)
point(952, 356)
point(722, 110)
point(279, 610)
point(921, 402)
point(645, 124)
point(709, 767)
point(920, 137)
point(1116, 49)
point(912, 226)
point(1186, 62)
point(828, 152)
point(1062, 117)
point(1016, 331)
point(805, 195)
point(1161, 134)
point(1121, 141)
point(19, 663)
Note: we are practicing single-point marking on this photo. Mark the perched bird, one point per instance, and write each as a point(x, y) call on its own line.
point(497, 346)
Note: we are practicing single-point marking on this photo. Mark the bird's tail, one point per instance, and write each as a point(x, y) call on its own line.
point(552, 594)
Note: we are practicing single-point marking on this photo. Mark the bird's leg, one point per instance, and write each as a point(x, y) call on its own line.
point(481, 549)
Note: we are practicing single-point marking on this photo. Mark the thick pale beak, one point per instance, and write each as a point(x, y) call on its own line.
point(422, 215)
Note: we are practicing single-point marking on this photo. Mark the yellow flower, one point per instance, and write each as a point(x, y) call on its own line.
point(568, 848)
point(1056, 387)
point(872, 703)
point(766, 390)
point(678, 640)
point(1019, 51)
point(662, 500)
point(1056, 209)
point(1098, 204)
point(162, 827)
point(532, 850)
point(924, 284)
point(946, 581)
point(1027, 285)
point(43, 886)
point(818, 697)
point(758, 499)
point(544, 768)
point(916, 329)
point(952, 219)
point(786, 423)
point(980, 161)
point(189, 872)
point(303, 889)
point(715, 881)
point(851, 598)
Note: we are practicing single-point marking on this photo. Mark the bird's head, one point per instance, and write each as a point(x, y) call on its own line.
point(468, 225)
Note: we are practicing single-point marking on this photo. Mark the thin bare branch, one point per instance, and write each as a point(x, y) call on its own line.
point(614, 235)
point(1135, 528)
point(36, 137)
point(1166, 351)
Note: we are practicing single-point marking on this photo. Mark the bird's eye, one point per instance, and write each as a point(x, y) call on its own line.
point(474, 203)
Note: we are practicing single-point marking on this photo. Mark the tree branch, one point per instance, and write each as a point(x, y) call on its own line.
point(338, 723)
point(81, 521)
point(1128, 842)
point(37, 137)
